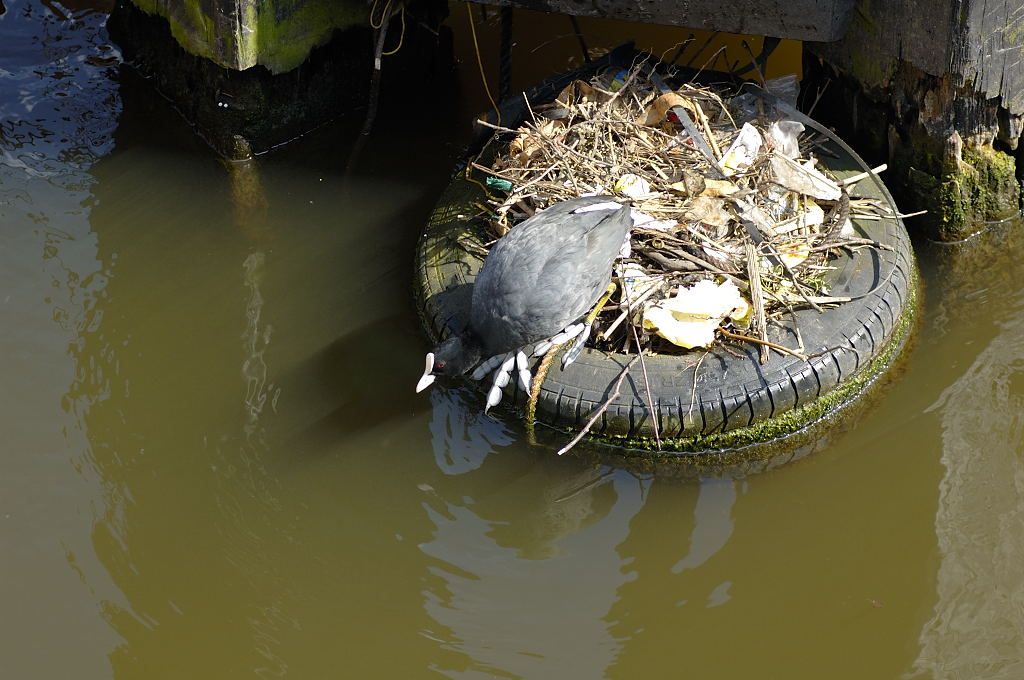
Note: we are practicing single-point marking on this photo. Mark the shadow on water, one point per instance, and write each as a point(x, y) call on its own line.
point(346, 380)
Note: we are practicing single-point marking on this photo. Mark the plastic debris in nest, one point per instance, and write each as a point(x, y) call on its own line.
point(785, 136)
point(632, 186)
point(743, 151)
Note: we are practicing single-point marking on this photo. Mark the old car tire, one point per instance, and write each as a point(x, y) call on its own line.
point(736, 400)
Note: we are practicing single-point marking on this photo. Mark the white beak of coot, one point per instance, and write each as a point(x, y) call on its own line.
point(426, 380)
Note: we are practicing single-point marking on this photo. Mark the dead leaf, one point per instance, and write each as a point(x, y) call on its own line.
point(692, 184)
point(709, 210)
point(659, 108)
point(794, 253)
point(579, 92)
point(691, 317)
point(528, 142)
point(719, 187)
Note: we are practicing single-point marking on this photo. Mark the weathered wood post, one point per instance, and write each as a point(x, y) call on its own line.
point(252, 74)
point(935, 87)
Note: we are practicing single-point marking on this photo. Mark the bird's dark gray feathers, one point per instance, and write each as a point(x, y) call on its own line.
point(546, 273)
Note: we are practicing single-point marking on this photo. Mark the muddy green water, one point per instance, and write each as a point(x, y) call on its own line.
point(213, 465)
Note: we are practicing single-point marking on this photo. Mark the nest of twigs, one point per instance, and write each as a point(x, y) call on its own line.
point(725, 196)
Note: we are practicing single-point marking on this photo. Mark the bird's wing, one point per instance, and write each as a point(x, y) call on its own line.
point(541, 277)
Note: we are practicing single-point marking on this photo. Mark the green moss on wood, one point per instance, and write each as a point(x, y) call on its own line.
point(984, 187)
point(892, 111)
point(958, 194)
point(190, 26)
point(283, 45)
point(276, 34)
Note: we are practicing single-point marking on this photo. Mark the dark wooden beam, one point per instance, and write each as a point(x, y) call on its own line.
point(798, 19)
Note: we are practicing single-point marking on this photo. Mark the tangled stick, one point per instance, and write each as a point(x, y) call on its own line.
point(602, 408)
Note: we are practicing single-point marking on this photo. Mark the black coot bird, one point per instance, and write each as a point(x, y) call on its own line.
point(536, 284)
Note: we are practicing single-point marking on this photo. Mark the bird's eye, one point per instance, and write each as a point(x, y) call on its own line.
point(439, 365)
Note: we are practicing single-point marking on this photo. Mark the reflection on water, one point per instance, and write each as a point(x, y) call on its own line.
point(255, 341)
point(216, 467)
point(712, 518)
point(977, 627)
point(502, 567)
point(58, 110)
point(462, 435)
